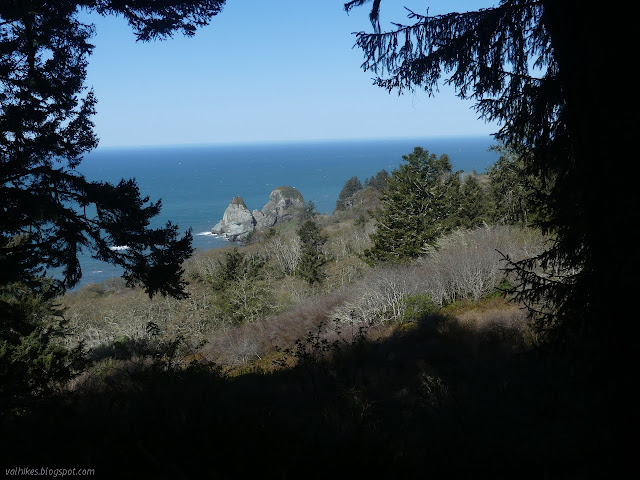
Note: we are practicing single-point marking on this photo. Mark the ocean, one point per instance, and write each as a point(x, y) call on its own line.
point(197, 182)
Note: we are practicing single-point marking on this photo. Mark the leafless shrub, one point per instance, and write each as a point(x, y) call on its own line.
point(285, 251)
point(239, 345)
point(350, 241)
point(464, 264)
point(202, 266)
point(291, 291)
point(470, 263)
point(378, 296)
point(343, 273)
point(98, 320)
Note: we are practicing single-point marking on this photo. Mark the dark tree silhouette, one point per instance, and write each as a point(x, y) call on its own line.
point(349, 189)
point(541, 69)
point(49, 212)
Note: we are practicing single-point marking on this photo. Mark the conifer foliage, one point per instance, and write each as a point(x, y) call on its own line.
point(514, 190)
point(377, 181)
point(529, 65)
point(350, 187)
point(240, 293)
point(50, 211)
point(312, 256)
point(418, 205)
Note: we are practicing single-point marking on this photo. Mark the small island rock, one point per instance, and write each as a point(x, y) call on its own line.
point(285, 204)
point(237, 224)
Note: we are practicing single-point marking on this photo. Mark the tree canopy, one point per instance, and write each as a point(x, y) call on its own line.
point(350, 187)
point(312, 255)
point(378, 181)
point(418, 203)
point(50, 212)
point(541, 69)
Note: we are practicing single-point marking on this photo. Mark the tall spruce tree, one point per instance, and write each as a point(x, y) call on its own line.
point(475, 203)
point(312, 257)
point(416, 207)
point(49, 210)
point(378, 181)
point(531, 66)
point(513, 190)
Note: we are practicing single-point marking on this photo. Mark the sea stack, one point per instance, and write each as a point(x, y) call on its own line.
point(285, 203)
point(237, 222)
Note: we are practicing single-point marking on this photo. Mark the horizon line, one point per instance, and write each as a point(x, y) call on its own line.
point(293, 141)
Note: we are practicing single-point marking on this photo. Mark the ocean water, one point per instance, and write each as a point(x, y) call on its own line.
point(196, 183)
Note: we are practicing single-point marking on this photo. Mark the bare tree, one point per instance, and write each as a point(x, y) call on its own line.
point(464, 264)
point(285, 251)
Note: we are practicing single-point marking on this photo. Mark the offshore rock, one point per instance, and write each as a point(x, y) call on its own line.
point(237, 223)
point(285, 204)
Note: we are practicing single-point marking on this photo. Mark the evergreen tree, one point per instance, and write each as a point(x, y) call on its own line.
point(517, 194)
point(377, 181)
point(309, 211)
point(33, 360)
point(530, 67)
point(351, 186)
point(312, 256)
point(239, 286)
point(475, 208)
point(421, 196)
point(49, 210)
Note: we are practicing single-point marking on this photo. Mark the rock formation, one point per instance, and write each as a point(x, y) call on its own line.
point(237, 224)
point(285, 203)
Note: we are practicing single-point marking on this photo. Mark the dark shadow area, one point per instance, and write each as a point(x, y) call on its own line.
point(433, 401)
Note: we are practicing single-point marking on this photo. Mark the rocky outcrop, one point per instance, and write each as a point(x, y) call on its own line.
point(285, 204)
point(237, 224)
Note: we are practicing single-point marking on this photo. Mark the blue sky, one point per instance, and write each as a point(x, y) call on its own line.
point(282, 70)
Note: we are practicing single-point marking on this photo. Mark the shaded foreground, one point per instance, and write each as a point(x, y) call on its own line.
point(442, 396)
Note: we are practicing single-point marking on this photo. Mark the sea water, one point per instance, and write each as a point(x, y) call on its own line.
point(197, 182)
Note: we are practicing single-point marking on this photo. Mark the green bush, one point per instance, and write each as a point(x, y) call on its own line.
point(33, 361)
point(240, 290)
point(418, 306)
point(312, 258)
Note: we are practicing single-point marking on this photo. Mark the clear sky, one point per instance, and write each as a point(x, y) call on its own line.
point(279, 70)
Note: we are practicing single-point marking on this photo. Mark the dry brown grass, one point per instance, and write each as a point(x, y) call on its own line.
point(490, 323)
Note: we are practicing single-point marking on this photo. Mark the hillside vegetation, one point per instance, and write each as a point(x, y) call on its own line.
point(349, 341)
point(320, 272)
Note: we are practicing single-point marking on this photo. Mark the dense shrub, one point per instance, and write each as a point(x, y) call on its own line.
point(34, 361)
point(466, 264)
